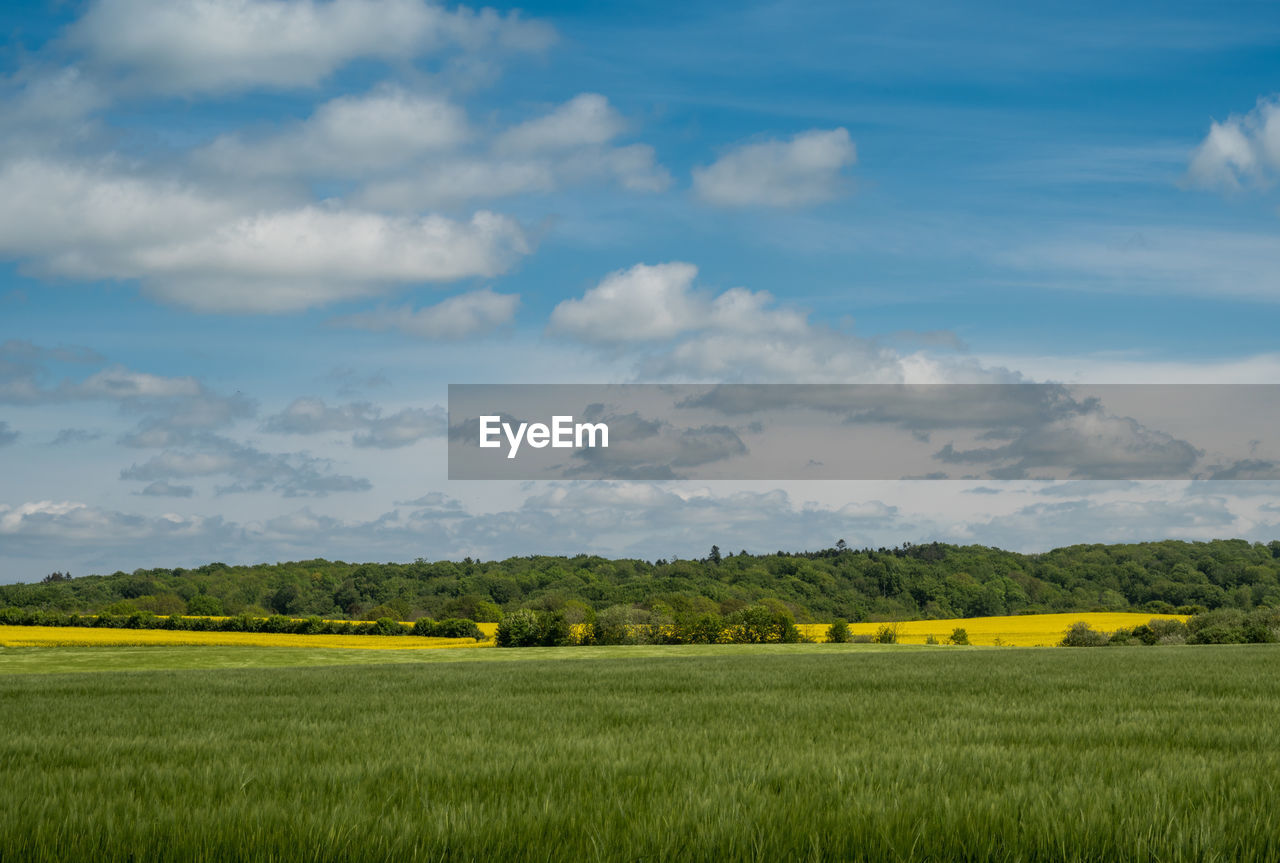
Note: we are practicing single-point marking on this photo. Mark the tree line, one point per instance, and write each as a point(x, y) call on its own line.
point(932, 580)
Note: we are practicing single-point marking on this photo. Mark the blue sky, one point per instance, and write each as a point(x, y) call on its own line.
point(245, 245)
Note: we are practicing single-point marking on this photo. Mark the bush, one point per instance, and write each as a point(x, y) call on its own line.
point(1081, 634)
point(521, 628)
point(556, 631)
point(887, 634)
point(760, 624)
point(862, 638)
point(706, 628)
point(615, 625)
point(386, 626)
point(930, 639)
point(838, 632)
point(455, 627)
point(959, 635)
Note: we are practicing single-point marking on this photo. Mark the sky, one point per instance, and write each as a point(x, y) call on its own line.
point(245, 245)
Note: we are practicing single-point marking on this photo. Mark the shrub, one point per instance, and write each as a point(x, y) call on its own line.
point(838, 632)
point(760, 624)
point(959, 635)
point(521, 628)
point(1081, 634)
point(455, 627)
point(930, 639)
point(861, 638)
point(556, 631)
point(705, 628)
point(1122, 637)
point(614, 625)
point(140, 620)
point(887, 634)
point(276, 623)
point(386, 626)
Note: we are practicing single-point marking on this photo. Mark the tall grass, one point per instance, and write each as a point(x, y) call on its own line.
point(895, 754)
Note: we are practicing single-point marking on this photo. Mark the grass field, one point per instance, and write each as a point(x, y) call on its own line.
point(817, 752)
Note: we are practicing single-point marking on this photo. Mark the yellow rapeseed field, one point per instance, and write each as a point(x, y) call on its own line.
point(76, 636)
point(1020, 630)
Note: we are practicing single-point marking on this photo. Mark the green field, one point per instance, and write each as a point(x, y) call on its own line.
point(816, 752)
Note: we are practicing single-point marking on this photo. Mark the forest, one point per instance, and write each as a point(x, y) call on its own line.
point(931, 580)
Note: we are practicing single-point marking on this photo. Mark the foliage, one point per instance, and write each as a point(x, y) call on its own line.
point(1081, 634)
point(959, 635)
point(886, 634)
point(909, 582)
point(838, 632)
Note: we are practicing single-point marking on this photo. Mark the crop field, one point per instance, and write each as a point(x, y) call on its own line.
point(1020, 630)
point(78, 636)
point(724, 752)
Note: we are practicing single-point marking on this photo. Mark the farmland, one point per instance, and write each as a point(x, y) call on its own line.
point(720, 752)
point(1022, 630)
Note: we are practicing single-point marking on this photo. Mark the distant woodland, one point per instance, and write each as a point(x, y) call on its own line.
point(907, 582)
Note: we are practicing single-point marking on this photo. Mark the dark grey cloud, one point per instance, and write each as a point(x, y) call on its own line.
point(160, 488)
point(72, 436)
point(247, 468)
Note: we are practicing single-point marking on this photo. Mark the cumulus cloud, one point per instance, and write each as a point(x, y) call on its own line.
point(351, 136)
point(208, 253)
point(804, 169)
point(458, 317)
point(676, 332)
point(208, 46)
point(575, 143)
point(586, 119)
point(643, 303)
point(1243, 150)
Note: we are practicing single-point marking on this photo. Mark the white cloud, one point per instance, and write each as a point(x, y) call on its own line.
point(677, 333)
point(586, 119)
point(1243, 150)
point(458, 317)
point(643, 303)
point(214, 254)
point(201, 46)
point(350, 136)
point(453, 182)
point(802, 170)
point(573, 144)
